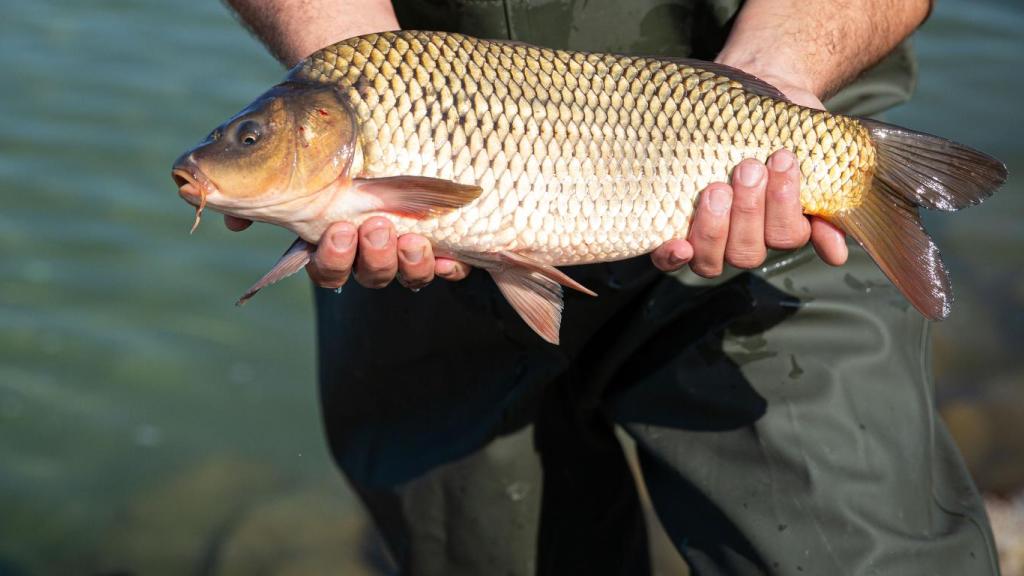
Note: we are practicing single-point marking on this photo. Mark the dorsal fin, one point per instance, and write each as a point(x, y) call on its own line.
point(748, 81)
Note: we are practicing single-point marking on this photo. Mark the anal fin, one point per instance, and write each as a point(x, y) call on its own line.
point(532, 287)
point(545, 270)
point(536, 298)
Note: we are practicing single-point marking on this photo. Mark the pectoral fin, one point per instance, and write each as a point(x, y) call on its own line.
point(293, 259)
point(415, 196)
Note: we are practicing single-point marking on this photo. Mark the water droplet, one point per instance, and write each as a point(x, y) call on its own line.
point(517, 491)
point(649, 308)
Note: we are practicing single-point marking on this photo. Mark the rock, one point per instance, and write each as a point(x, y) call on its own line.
point(989, 429)
point(1007, 518)
point(308, 533)
point(225, 516)
point(167, 528)
point(970, 427)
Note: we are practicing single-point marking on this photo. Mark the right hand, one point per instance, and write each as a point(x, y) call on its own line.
point(374, 253)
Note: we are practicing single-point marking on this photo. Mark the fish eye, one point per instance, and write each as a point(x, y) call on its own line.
point(248, 133)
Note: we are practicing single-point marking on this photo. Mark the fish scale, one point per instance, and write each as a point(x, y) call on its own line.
point(580, 157)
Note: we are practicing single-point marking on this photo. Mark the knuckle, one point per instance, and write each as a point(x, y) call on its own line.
point(663, 264)
point(706, 269)
point(781, 237)
point(457, 273)
point(750, 204)
point(331, 267)
point(377, 267)
point(332, 280)
point(415, 284)
point(372, 282)
point(711, 234)
point(747, 257)
point(782, 182)
point(783, 242)
point(415, 277)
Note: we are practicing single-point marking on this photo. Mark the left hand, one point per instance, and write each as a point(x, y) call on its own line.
point(736, 223)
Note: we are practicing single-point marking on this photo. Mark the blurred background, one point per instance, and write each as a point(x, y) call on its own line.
point(148, 426)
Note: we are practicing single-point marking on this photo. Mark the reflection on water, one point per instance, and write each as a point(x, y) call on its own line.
point(125, 370)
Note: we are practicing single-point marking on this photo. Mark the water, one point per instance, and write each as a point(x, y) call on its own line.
point(139, 408)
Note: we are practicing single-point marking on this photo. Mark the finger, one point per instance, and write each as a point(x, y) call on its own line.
point(415, 261)
point(710, 229)
point(829, 242)
point(451, 269)
point(672, 255)
point(785, 226)
point(376, 261)
point(236, 224)
point(745, 246)
point(332, 261)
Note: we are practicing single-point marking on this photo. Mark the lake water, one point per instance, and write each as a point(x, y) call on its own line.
point(148, 425)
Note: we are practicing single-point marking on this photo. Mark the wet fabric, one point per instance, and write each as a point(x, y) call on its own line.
point(784, 418)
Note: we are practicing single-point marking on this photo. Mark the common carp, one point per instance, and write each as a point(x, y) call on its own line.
point(517, 159)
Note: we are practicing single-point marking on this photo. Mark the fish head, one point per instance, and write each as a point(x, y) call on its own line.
point(273, 159)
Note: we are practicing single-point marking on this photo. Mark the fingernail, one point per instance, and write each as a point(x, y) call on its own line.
point(342, 239)
point(676, 259)
point(377, 238)
point(414, 255)
point(719, 200)
point(751, 173)
point(780, 162)
point(444, 268)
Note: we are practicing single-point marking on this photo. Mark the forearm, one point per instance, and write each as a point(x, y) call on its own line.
point(294, 29)
point(818, 45)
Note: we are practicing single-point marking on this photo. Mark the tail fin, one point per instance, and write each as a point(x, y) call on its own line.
point(915, 169)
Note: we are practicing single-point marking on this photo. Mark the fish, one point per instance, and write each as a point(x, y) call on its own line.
point(518, 159)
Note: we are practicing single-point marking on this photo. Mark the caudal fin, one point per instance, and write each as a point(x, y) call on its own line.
point(915, 169)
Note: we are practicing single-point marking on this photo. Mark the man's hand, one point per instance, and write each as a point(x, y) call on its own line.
point(374, 254)
point(737, 223)
point(808, 49)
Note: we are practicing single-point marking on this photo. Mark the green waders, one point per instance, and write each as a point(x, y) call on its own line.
point(783, 418)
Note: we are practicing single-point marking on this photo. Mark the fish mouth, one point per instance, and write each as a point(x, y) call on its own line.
point(193, 185)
